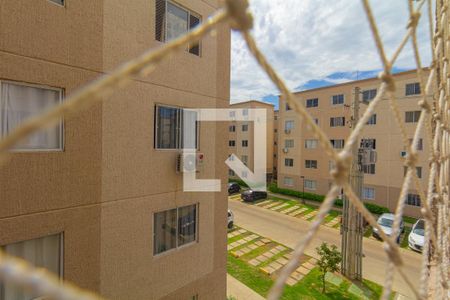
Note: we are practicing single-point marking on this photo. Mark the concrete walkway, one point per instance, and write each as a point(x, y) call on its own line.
point(240, 291)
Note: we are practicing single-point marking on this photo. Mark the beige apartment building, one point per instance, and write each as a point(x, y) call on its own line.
point(241, 138)
point(97, 199)
point(303, 166)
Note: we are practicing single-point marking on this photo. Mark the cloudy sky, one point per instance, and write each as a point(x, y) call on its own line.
point(316, 42)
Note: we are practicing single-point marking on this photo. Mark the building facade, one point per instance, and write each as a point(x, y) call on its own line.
point(97, 198)
point(275, 144)
point(241, 138)
point(302, 166)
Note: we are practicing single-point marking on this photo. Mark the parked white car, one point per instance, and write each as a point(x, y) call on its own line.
point(230, 219)
point(417, 235)
point(386, 221)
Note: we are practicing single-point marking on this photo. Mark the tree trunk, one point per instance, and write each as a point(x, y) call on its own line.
point(323, 283)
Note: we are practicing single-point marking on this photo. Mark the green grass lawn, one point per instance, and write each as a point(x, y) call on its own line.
point(308, 288)
point(404, 239)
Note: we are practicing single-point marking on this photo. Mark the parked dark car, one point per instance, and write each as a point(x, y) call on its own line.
point(233, 187)
point(251, 195)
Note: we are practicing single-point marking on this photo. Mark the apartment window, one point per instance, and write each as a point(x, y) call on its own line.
point(418, 171)
point(310, 144)
point(19, 102)
point(232, 128)
point(288, 181)
point(372, 120)
point(244, 174)
point(369, 95)
point(245, 143)
point(173, 21)
point(312, 102)
point(288, 107)
point(289, 143)
point(368, 169)
point(369, 144)
point(337, 99)
point(275, 143)
point(331, 165)
point(44, 252)
point(274, 156)
point(316, 121)
point(412, 116)
point(232, 143)
point(413, 199)
point(412, 89)
point(174, 228)
point(244, 159)
point(311, 164)
point(60, 2)
point(275, 130)
point(170, 127)
point(275, 118)
point(289, 162)
point(309, 184)
point(368, 193)
point(245, 127)
point(337, 144)
point(419, 144)
point(232, 114)
point(289, 125)
point(231, 172)
point(245, 112)
point(337, 121)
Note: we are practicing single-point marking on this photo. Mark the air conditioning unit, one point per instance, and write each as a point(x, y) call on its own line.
point(403, 153)
point(285, 150)
point(287, 131)
point(190, 162)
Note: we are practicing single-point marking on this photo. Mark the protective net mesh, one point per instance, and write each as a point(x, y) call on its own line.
point(433, 124)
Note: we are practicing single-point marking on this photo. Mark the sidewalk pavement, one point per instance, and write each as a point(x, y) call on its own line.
point(240, 291)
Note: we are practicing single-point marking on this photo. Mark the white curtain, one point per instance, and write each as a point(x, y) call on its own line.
point(43, 253)
point(20, 102)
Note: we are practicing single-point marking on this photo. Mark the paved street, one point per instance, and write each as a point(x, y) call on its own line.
point(289, 230)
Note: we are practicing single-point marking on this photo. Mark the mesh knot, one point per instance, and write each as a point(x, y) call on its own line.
point(341, 170)
point(425, 105)
point(389, 80)
point(413, 20)
point(241, 19)
point(411, 160)
point(393, 254)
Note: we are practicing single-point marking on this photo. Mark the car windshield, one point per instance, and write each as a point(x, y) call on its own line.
point(419, 229)
point(385, 222)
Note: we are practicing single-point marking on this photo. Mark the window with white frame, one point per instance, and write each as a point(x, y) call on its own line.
point(337, 144)
point(368, 169)
point(244, 174)
point(173, 21)
point(309, 184)
point(368, 193)
point(418, 171)
point(232, 128)
point(368, 95)
point(372, 120)
point(419, 144)
point(310, 164)
point(337, 121)
point(174, 228)
point(289, 143)
point(412, 116)
point(310, 144)
point(232, 143)
point(20, 102)
point(337, 99)
point(413, 200)
point(289, 162)
point(44, 252)
point(289, 125)
point(288, 181)
point(312, 102)
point(245, 143)
point(245, 112)
point(232, 114)
point(170, 128)
point(245, 127)
point(412, 89)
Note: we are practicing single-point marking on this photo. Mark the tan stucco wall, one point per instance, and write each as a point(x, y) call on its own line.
point(389, 167)
point(103, 189)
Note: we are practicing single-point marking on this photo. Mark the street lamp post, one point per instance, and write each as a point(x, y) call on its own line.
point(303, 189)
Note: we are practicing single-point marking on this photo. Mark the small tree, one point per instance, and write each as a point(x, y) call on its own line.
point(329, 260)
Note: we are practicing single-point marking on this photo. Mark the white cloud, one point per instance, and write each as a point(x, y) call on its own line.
point(311, 39)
